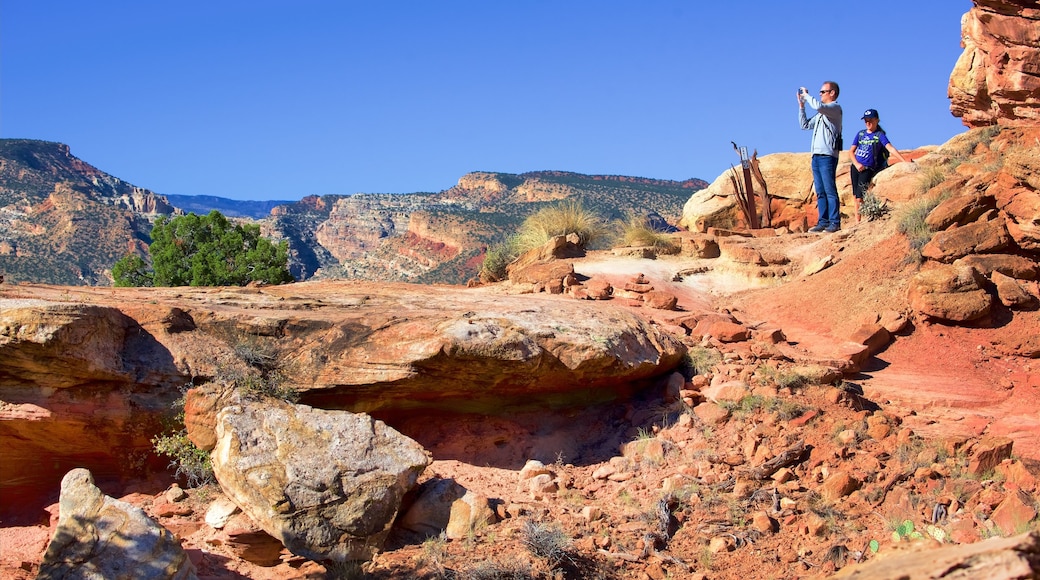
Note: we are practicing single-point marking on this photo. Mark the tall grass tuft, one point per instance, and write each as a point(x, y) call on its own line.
point(497, 258)
point(701, 359)
point(567, 217)
point(564, 218)
point(931, 177)
point(637, 231)
point(911, 223)
point(547, 541)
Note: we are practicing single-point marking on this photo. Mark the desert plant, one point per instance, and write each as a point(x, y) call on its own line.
point(269, 385)
point(745, 406)
point(208, 250)
point(493, 570)
point(904, 529)
point(786, 410)
point(497, 258)
point(564, 218)
point(700, 359)
point(912, 224)
point(190, 462)
point(256, 355)
point(131, 271)
point(638, 231)
point(790, 378)
point(931, 177)
point(546, 541)
point(347, 570)
point(873, 207)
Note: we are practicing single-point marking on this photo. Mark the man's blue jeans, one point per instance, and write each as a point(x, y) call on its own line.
point(824, 171)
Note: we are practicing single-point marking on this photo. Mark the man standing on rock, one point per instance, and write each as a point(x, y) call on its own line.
point(826, 144)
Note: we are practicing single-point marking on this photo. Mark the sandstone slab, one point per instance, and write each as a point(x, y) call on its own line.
point(949, 293)
point(328, 484)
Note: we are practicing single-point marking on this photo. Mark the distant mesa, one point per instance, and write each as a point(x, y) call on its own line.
point(203, 204)
point(63, 221)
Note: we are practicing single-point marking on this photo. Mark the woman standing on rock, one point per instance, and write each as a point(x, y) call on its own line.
point(869, 153)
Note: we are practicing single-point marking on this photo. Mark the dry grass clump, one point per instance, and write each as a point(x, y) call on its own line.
point(638, 231)
point(565, 218)
point(701, 359)
point(911, 223)
point(547, 541)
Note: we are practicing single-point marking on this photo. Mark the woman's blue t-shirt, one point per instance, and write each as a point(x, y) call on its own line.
point(868, 147)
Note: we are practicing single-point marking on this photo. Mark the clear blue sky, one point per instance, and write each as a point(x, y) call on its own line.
point(264, 99)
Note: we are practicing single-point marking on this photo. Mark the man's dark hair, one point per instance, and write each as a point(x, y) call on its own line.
point(834, 86)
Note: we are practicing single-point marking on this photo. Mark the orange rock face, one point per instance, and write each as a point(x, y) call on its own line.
point(997, 78)
point(85, 378)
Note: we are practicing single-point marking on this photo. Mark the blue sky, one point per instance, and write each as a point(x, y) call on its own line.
point(265, 99)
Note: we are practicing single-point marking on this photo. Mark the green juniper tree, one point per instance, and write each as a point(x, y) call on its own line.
point(208, 250)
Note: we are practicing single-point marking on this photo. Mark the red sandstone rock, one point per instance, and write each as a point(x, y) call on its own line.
point(949, 293)
point(838, 485)
point(1013, 514)
point(660, 300)
point(988, 454)
point(982, 237)
point(997, 79)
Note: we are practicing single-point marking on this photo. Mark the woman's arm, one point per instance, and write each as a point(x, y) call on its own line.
point(892, 149)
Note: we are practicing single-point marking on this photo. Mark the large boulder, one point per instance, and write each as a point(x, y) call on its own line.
point(997, 78)
point(1011, 265)
point(788, 177)
point(959, 210)
point(430, 510)
point(87, 377)
point(101, 537)
point(1011, 293)
point(981, 237)
point(950, 293)
point(328, 484)
point(541, 264)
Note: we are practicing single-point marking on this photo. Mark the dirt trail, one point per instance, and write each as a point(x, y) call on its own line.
point(944, 380)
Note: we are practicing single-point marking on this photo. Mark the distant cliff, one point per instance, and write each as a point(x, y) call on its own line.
point(442, 237)
point(203, 204)
point(64, 221)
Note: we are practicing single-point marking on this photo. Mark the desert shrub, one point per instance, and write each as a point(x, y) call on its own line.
point(783, 378)
point(493, 570)
point(348, 570)
point(911, 223)
point(546, 541)
point(638, 231)
point(131, 271)
point(873, 207)
point(208, 250)
point(786, 410)
point(931, 177)
point(497, 258)
point(564, 218)
point(567, 217)
point(191, 463)
point(700, 359)
point(272, 385)
point(256, 355)
point(263, 376)
point(745, 406)
point(962, 146)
